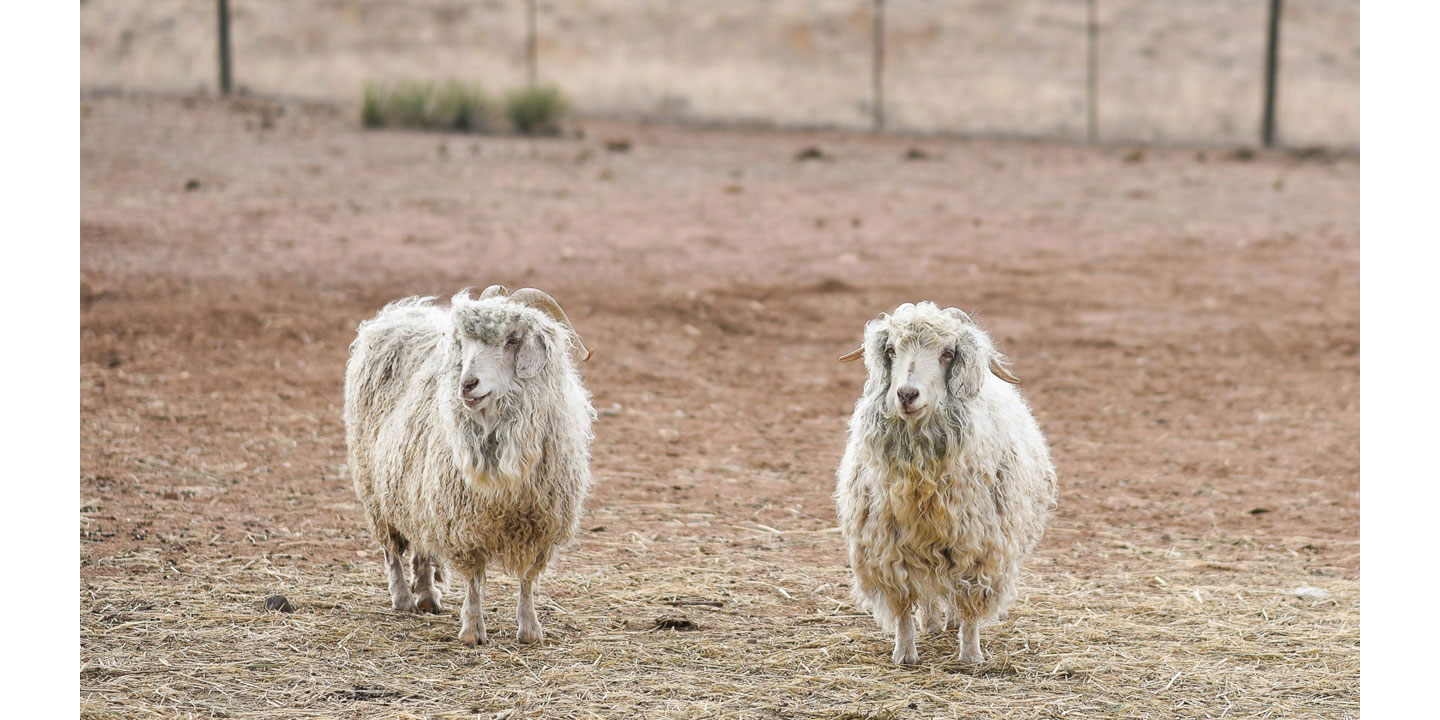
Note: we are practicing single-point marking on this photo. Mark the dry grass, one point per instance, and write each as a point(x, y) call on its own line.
point(452, 105)
point(1206, 627)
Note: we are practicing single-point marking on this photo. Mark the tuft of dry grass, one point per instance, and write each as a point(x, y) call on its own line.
point(1207, 627)
point(536, 110)
point(452, 105)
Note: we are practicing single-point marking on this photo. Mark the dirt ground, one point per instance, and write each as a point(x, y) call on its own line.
point(1186, 324)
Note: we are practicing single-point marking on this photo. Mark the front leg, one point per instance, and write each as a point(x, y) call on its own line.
point(970, 643)
point(905, 653)
point(472, 614)
point(529, 629)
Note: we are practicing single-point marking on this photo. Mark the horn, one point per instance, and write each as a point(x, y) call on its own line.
point(959, 314)
point(541, 300)
point(853, 355)
point(997, 366)
point(494, 290)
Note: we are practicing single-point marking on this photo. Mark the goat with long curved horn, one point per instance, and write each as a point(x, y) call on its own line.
point(541, 300)
point(494, 290)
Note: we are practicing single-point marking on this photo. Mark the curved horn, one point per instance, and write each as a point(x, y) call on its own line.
point(959, 314)
point(997, 367)
point(494, 290)
point(853, 355)
point(542, 300)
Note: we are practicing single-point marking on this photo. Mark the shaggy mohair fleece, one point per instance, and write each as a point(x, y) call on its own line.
point(502, 490)
point(939, 512)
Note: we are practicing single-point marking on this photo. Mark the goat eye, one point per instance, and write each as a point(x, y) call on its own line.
point(890, 351)
point(947, 355)
point(512, 341)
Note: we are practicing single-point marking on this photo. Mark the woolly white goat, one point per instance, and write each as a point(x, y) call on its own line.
point(946, 479)
point(469, 441)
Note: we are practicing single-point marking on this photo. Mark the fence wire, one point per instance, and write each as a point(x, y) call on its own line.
point(1116, 70)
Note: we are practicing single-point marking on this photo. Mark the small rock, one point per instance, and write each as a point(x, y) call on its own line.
point(617, 146)
point(675, 622)
point(1310, 593)
point(811, 153)
point(280, 603)
point(1259, 511)
point(916, 153)
point(192, 185)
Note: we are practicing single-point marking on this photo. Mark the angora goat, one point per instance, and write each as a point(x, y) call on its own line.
point(469, 441)
point(946, 479)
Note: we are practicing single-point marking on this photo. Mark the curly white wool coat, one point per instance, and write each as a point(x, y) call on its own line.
point(477, 491)
point(939, 512)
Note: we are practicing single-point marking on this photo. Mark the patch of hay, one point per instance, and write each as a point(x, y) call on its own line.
point(1208, 627)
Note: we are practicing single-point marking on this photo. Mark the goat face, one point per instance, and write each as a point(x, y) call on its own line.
point(499, 345)
point(921, 358)
point(918, 372)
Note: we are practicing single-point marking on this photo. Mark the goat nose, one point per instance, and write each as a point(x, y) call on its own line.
point(469, 385)
point(907, 395)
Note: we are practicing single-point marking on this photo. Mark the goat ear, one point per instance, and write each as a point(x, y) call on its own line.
point(967, 374)
point(531, 357)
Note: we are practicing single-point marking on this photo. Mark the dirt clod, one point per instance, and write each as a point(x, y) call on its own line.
point(279, 603)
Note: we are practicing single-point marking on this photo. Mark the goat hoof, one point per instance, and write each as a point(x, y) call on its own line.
point(474, 638)
point(405, 604)
point(905, 657)
point(530, 635)
point(974, 658)
point(428, 604)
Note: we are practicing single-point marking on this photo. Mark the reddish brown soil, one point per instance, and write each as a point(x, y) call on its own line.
point(1185, 322)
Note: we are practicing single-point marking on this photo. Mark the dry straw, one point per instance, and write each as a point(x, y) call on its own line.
point(1205, 627)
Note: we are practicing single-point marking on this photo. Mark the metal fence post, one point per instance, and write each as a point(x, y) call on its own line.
point(1092, 72)
point(224, 12)
point(531, 49)
point(1272, 61)
point(877, 66)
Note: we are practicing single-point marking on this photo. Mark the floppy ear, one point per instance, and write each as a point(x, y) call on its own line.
point(531, 357)
point(966, 373)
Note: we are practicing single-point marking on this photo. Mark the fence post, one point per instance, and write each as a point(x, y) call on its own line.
point(531, 49)
point(877, 66)
point(1092, 72)
point(1272, 61)
point(224, 12)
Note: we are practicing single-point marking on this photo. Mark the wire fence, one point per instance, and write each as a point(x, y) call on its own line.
point(1215, 72)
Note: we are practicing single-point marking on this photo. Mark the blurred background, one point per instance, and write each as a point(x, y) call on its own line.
point(1108, 70)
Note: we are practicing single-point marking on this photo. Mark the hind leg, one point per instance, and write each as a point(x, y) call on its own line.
point(426, 588)
point(400, 596)
point(934, 617)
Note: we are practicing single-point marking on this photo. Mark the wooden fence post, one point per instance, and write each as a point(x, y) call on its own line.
point(1272, 62)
